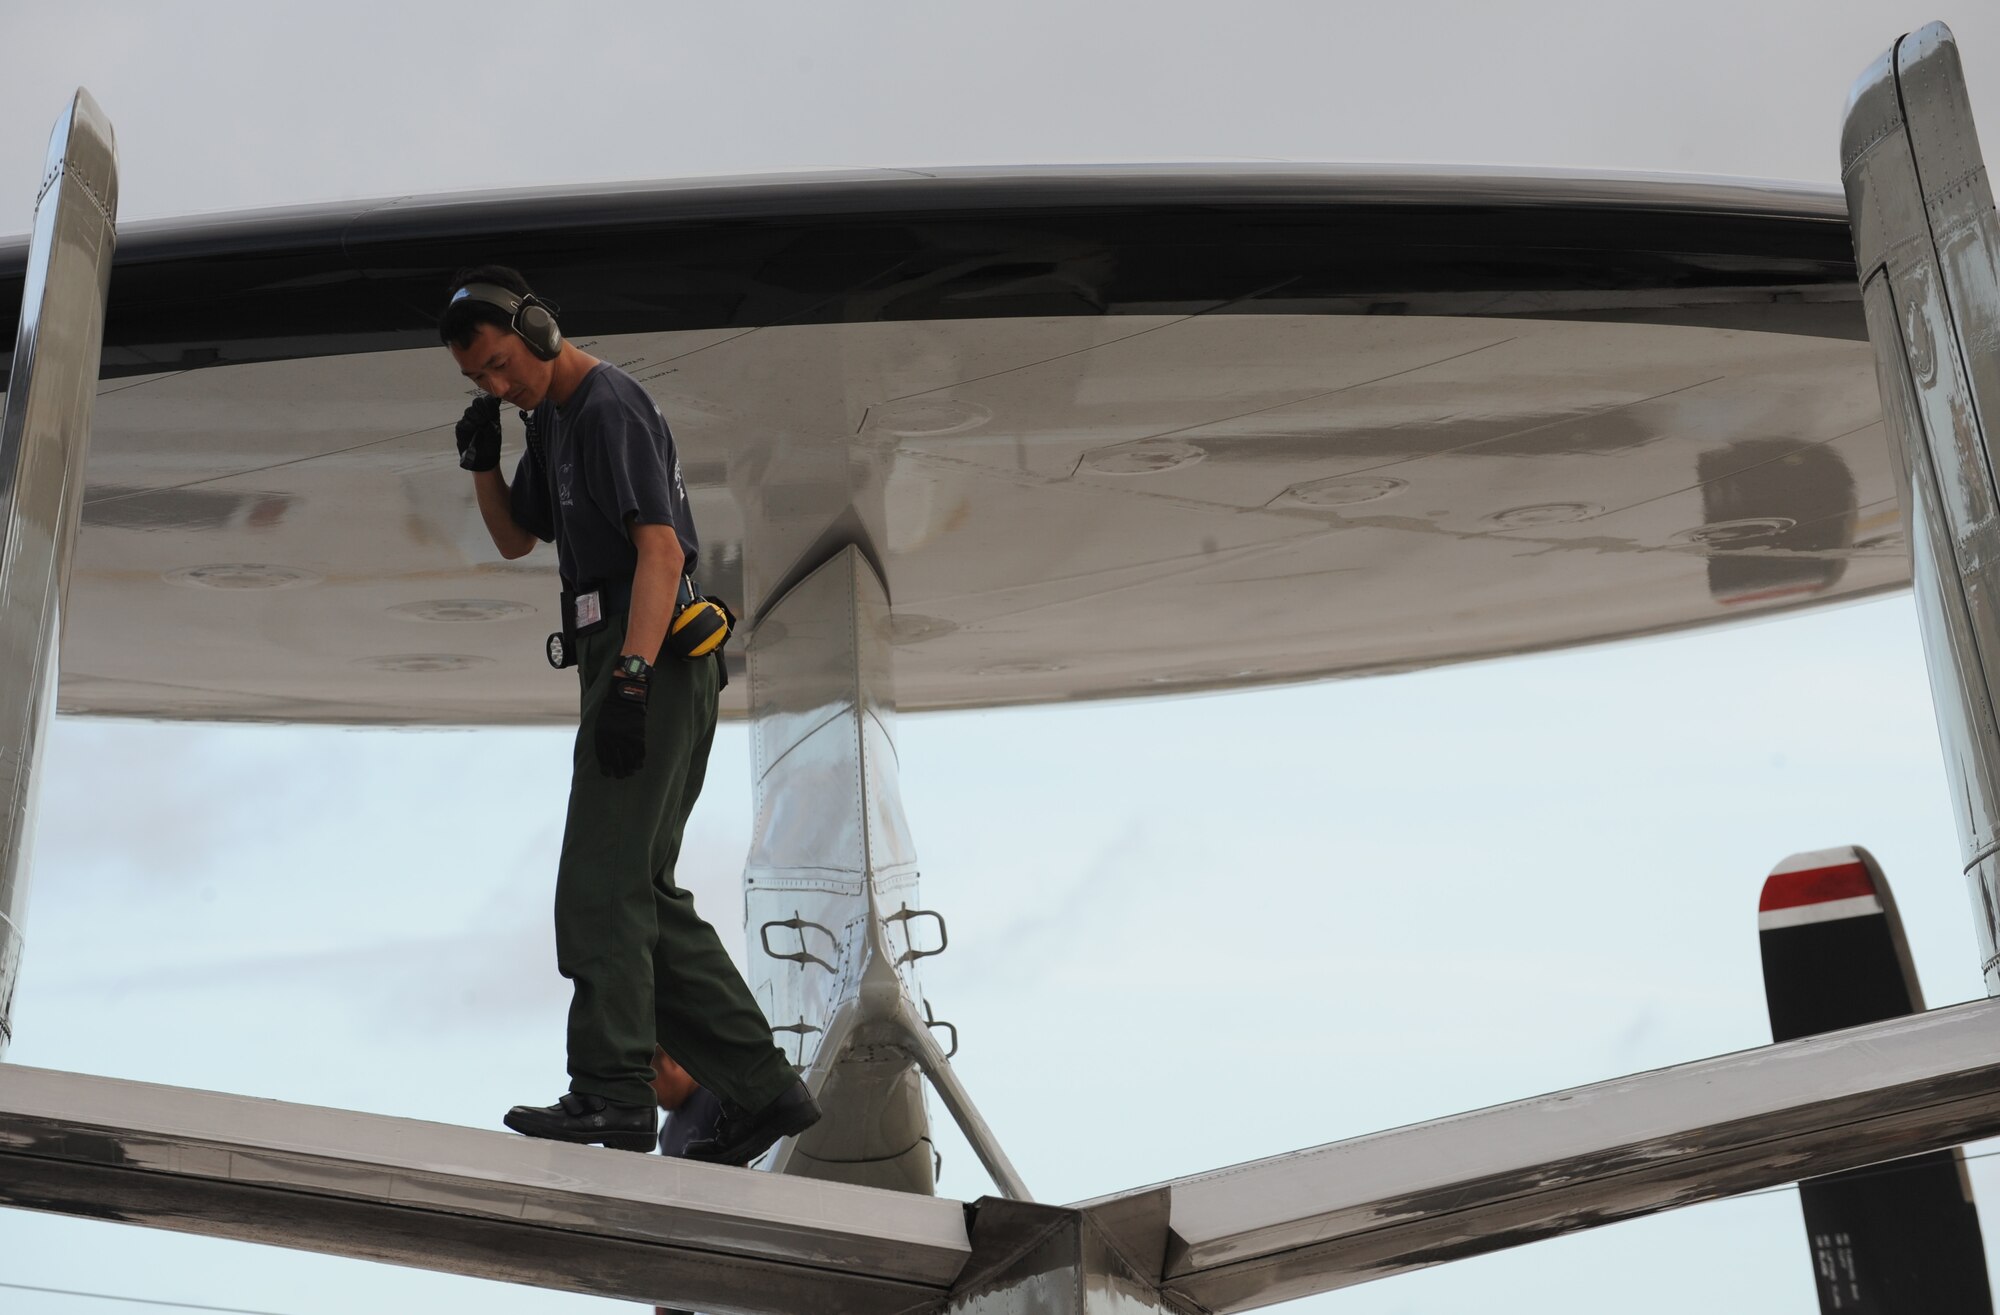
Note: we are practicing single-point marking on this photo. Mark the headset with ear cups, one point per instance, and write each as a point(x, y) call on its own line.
point(531, 318)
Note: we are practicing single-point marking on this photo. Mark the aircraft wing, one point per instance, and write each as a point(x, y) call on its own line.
point(1238, 1238)
point(574, 1218)
point(1107, 430)
point(1254, 1234)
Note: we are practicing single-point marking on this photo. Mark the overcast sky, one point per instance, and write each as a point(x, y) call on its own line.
point(1183, 933)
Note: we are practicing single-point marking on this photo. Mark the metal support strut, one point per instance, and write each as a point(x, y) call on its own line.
point(44, 437)
point(1927, 253)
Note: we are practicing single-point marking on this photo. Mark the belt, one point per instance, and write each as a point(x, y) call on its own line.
point(585, 612)
point(614, 598)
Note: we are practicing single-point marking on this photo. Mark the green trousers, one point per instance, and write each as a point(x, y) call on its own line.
point(644, 965)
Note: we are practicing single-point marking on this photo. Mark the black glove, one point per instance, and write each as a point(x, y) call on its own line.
point(479, 435)
point(621, 726)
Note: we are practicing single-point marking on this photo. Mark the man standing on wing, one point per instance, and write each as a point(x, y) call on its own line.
point(601, 479)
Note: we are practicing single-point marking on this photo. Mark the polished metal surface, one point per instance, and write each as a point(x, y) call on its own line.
point(44, 438)
point(1928, 250)
point(579, 1219)
point(1260, 1233)
point(829, 848)
point(640, 1227)
point(1041, 1260)
point(1061, 508)
point(919, 1040)
point(833, 913)
point(1259, 424)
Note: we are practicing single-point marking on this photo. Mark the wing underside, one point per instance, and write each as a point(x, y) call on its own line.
point(1107, 432)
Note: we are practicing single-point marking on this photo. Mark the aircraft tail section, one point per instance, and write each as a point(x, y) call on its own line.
point(1901, 1238)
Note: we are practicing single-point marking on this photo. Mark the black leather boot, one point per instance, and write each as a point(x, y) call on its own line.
point(740, 1138)
point(580, 1117)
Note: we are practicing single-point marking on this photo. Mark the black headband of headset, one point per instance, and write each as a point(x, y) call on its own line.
point(494, 295)
point(545, 338)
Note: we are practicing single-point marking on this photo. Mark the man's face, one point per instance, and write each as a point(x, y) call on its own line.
point(498, 362)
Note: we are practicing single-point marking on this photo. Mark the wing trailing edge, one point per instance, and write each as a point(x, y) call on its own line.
point(1238, 1238)
point(493, 1205)
point(1336, 1215)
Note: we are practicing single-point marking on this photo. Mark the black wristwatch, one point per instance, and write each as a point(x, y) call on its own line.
point(633, 667)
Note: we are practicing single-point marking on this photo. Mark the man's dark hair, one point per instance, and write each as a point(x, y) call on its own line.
point(461, 320)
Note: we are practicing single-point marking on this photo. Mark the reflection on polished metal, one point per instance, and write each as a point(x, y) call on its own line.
point(645, 1228)
point(44, 436)
point(578, 1219)
point(1272, 1230)
point(1477, 459)
point(1927, 245)
point(831, 886)
point(1041, 1260)
point(1467, 487)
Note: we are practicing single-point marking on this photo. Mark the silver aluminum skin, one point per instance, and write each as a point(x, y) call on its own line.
point(1042, 1260)
point(1541, 410)
point(1927, 248)
point(834, 920)
point(1239, 1238)
point(573, 1218)
point(1272, 1230)
point(44, 439)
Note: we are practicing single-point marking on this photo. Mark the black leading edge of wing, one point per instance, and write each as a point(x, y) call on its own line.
point(969, 243)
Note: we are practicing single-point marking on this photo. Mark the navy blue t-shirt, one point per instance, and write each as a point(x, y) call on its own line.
point(612, 458)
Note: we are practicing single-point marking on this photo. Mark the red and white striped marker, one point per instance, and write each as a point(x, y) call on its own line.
point(1822, 886)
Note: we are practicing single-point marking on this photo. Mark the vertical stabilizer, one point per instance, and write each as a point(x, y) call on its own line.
point(1900, 1238)
point(1927, 251)
point(44, 437)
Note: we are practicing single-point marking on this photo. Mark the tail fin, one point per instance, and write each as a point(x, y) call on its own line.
point(1900, 1238)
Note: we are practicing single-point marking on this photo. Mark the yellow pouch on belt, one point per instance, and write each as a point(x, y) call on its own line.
point(699, 629)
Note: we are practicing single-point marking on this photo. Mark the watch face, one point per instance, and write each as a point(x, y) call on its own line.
point(633, 665)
